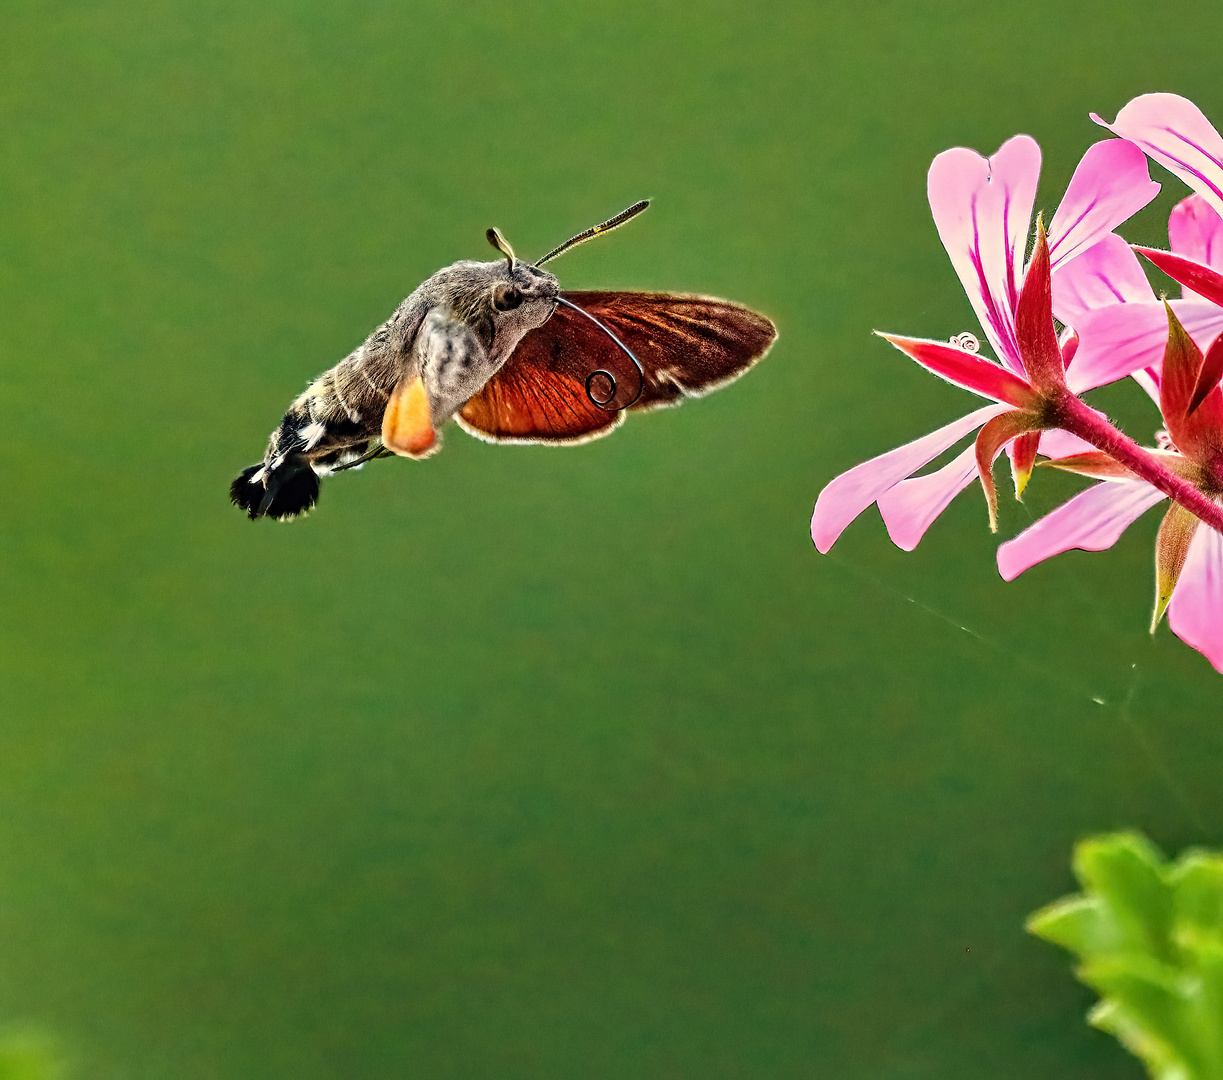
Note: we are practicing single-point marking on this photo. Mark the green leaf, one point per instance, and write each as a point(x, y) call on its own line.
point(1125, 870)
point(1208, 1001)
point(1150, 937)
point(1149, 1013)
point(1082, 924)
point(1197, 881)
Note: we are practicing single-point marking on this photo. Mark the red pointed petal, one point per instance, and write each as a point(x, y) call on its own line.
point(1203, 280)
point(1195, 231)
point(990, 440)
point(967, 370)
point(1042, 358)
point(1201, 432)
point(1208, 376)
point(1182, 362)
point(1023, 457)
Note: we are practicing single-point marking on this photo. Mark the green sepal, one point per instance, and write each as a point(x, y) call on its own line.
point(1171, 550)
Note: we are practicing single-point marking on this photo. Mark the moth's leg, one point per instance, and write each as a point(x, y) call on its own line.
point(353, 457)
point(452, 364)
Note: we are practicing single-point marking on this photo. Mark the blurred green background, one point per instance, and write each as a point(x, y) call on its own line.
point(526, 762)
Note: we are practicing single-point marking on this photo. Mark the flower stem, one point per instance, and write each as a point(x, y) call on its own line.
point(1070, 414)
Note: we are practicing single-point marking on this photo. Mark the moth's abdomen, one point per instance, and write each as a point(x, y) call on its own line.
point(331, 424)
point(318, 433)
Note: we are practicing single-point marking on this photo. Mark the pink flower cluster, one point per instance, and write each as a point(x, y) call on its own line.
point(1078, 314)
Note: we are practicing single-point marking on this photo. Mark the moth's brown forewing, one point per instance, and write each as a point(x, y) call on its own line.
point(687, 346)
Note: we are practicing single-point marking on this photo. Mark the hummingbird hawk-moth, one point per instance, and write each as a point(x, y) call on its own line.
point(499, 348)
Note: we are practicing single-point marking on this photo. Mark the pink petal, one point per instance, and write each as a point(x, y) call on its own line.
point(910, 508)
point(983, 210)
point(968, 370)
point(1110, 185)
point(1107, 273)
point(853, 491)
point(1093, 520)
point(1120, 340)
point(1196, 232)
point(1174, 131)
point(1148, 378)
point(1196, 611)
point(1059, 444)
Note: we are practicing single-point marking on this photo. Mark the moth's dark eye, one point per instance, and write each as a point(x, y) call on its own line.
point(506, 297)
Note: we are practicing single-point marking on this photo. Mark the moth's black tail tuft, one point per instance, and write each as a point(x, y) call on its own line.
point(283, 494)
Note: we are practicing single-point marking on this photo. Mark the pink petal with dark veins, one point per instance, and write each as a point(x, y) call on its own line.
point(1120, 340)
point(1107, 273)
point(1110, 185)
point(1175, 132)
point(1196, 231)
point(983, 210)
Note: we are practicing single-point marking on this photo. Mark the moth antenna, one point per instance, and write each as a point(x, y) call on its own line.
point(502, 245)
point(606, 403)
point(597, 230)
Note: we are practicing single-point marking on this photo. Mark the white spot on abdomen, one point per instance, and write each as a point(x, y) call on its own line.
point(312, 433)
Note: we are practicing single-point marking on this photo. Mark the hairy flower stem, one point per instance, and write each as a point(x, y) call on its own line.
point(1070, 414)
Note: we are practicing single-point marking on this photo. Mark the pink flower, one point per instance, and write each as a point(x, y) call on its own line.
point(1172, 131)
point(983, 211)
point(1188, 555)
point(1112, 339)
